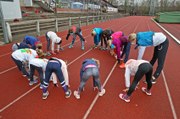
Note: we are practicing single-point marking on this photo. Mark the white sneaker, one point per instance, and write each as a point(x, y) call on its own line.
point(102, 92)
point(68, 94)
point(33, 82)
point(70, 46)
point(77, 96)
point(45, 95)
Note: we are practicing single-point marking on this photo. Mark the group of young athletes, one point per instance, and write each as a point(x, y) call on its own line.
point(28, 55)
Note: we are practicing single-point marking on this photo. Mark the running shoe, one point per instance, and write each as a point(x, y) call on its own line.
point(122, 65)
point(68, 93)
point(82, 48)
point(153, 80)
point(148, 92)
point(70, 46)
point(102, 92)
point(33, 82)
point(45, 95)
point(76, 94)
point(124, 97)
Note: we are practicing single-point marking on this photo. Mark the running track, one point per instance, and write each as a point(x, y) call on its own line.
point(18, 100)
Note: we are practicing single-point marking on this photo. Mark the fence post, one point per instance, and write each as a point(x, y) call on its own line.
point(9, 32)
point(70, 22)
point(87, 20)
point(79, 21)
point(93, 20)
point(37, 28)
point(56, 25)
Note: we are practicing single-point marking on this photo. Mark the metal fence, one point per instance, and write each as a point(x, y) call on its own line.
point(39, 27)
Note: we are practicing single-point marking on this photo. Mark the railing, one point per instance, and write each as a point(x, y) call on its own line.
point(39, 27)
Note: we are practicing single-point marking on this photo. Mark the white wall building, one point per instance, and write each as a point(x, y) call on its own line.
point(11, 10)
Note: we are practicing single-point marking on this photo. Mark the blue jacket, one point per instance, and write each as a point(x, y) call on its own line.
point(30, 40)
point(145, 38)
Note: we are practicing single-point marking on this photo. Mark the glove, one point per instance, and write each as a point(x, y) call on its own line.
point(118, 61)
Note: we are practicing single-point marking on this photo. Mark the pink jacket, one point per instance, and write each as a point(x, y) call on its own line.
point(117, 35)
point(119, 42)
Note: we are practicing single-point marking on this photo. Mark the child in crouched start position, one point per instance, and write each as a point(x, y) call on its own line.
point(90, 67)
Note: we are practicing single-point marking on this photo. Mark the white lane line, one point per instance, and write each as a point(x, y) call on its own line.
point(169, 96)
point(29, 91)
point(5, 54)
point(97, 96)
point(178, 41)
point(14, 101)
point(8, 70)
point(80, 56)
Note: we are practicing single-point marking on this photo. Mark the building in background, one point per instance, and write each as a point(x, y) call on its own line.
point(10, 10)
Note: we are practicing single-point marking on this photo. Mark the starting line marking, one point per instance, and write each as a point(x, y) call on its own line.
point(97, 96)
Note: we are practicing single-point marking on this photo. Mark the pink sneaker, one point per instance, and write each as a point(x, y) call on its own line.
point(124, 97)
point(146, 91)
point(76, 94)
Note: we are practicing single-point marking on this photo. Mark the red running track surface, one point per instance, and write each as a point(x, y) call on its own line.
point(19, 100)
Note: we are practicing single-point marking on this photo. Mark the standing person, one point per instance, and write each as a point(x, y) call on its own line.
point(57, 66)
point(90, 67)
point(160, 43)
point(106, 35)
point(31, 41)
point(39, 65)
point(97, 33)
point(137, 68)
point(75, 31)
point(52, 38)
point(21, 57)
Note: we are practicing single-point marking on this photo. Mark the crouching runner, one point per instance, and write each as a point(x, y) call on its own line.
point(90, 67)
point(55, 65)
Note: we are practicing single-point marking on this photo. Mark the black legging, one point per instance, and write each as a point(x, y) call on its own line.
point(160, 52)
point(143, 69)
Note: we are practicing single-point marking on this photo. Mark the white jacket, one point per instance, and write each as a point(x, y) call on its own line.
point(131, 69)
point(54, 39)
